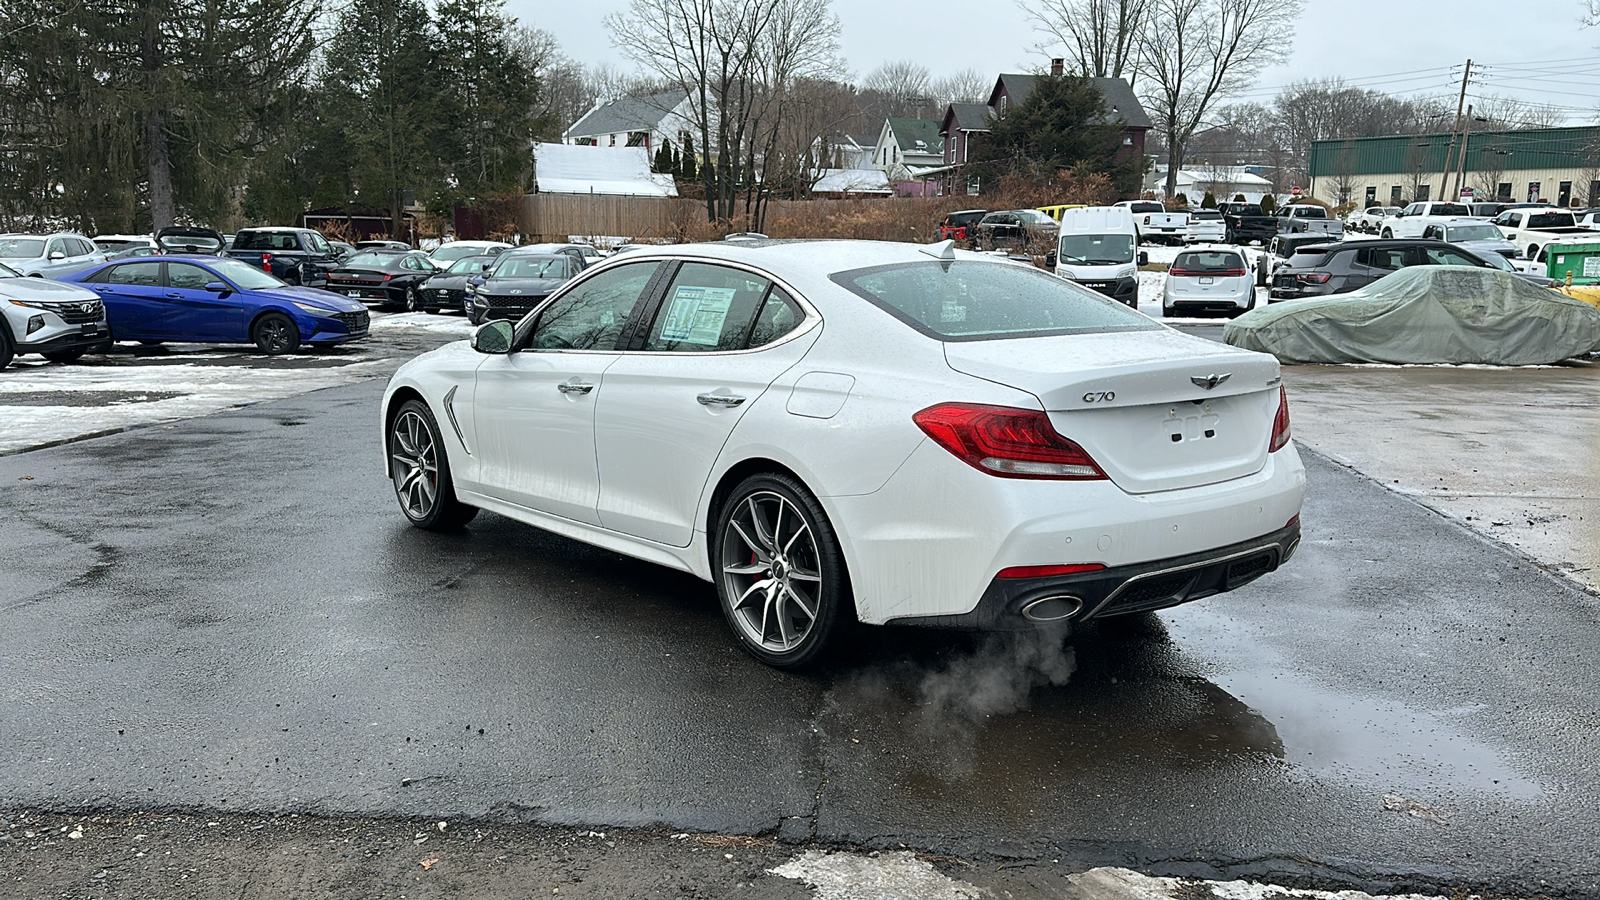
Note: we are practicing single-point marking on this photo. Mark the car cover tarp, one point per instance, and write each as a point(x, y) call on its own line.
point(1426, 315)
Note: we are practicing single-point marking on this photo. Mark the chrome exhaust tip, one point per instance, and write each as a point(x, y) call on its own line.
point(1288, 552)
point(1057, 608)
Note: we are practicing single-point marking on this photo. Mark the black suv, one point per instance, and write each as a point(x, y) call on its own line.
point(1281, 247)
point(1322, 269)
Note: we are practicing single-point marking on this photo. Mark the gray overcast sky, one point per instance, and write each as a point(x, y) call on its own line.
point(1415, 41)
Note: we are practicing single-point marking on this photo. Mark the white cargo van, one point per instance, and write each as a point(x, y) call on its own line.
point(1099, 248)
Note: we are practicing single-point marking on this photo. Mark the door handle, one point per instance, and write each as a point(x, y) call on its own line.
point(173, 295)
point(723, 400)
point(574, 387)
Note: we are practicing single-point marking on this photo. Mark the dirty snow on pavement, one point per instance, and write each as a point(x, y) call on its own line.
point(43, 403)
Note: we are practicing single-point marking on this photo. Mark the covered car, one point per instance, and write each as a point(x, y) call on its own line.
point(1451, 315)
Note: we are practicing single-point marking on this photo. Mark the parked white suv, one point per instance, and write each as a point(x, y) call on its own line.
point(57, 320)
point(49, 254)
point(1409, 222)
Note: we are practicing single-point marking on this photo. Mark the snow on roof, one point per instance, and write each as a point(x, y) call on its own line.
point(627, 114)
point(852, 181)
point(625, 171)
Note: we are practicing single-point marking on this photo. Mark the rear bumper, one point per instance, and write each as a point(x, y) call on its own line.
point(1022, 603)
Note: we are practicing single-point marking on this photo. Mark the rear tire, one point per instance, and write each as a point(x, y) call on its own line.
point(1387, 235)
point(275, 334)
point(780, 574)
point(420, 471)
point(7, 352)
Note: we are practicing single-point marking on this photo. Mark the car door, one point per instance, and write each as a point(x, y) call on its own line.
point(197, 314)
point(533, 410)
point(133, 294)
point(714, 343)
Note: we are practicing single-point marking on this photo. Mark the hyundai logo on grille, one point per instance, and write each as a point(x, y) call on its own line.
point(87, 307)
point(1210, 381)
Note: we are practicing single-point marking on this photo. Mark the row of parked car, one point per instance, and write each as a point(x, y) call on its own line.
point(277, 288)
point(1524, 228)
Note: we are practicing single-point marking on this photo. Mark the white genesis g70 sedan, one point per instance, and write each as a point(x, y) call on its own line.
point(840, 431)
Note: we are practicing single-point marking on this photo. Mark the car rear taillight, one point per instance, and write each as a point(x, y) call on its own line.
point(1231, 273)
point(266, 262)
point(1280, 422)
point(1181, 273)
point(1048, 571)
point(1008, 442)
point(1313, 277)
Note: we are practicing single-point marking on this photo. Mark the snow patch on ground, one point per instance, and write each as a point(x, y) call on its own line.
point(442, 324)
point(886, 876)
point(1129, 885)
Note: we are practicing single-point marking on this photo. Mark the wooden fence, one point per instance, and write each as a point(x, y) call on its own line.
point(552, 217)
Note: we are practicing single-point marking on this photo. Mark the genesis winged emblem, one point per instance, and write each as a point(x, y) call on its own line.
point(1210, 381)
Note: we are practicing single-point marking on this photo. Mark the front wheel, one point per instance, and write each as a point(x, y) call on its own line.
point(7, 352)
point(412, 300)
point(421, 471)
point(1387, 234)
point(779, 571)
point(275, 334)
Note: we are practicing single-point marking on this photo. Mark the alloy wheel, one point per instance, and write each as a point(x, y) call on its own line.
point(274, 335)
point(415, 464)
point(771, 571)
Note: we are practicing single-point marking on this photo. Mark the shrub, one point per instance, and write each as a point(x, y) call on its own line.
point(1209, 201)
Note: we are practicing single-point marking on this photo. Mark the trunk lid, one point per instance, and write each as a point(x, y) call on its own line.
point(1139, 402)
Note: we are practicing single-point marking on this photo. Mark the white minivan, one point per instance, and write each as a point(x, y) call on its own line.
point(1099, 248)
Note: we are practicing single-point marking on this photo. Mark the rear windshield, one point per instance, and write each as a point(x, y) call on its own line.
point(1208, 262)
point(957, 219)
point(1151, 207)
point(1306, 259)
point(190, 243)
point(1450, 209)
point(266, 240)
point(1549, 220)
point(978, 301)
point(1310, 212)
point(1205, 215)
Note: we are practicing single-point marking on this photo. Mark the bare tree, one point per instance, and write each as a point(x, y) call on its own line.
point(1502, 112)
point(965, 86)
point(1101, 36)
point(902, 78)
point(737, 60)
point(1193, 53)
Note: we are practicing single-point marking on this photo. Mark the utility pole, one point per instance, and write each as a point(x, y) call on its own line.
point(1460, 102)
point(1461, 161)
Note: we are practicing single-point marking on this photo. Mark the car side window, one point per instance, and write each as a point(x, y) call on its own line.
point(591, 316)
point(146, 274)
point(1434, 232)
point(188, 278)
point(1388, 258)
point(779, 315)
point(707, 308)
point(1445, 256)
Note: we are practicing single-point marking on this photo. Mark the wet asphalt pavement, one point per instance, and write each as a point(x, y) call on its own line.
point(229, 613)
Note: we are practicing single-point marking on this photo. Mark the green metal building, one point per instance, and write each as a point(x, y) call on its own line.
point(1561, 165)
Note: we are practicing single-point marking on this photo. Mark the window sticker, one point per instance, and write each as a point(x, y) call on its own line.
point(697, 314)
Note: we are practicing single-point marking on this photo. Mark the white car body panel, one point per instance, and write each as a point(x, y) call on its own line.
point(922, 532)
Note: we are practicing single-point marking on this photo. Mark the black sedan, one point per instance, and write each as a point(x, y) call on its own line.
point(1323, 269)
point(390, 279)
point(448, 289)
point(518, 283)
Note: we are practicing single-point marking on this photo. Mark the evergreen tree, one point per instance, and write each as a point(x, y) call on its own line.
point(690, 170)
point(663, 159)
point(1060, 124)
point(487, 99)
point(1209, 201)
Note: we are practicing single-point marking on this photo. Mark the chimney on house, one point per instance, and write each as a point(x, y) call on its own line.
point(1056, 66)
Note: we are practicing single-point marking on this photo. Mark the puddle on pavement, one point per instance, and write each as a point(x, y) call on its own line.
point(1360, 739)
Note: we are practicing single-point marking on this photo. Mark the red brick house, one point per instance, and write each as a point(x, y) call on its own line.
point(964, 123)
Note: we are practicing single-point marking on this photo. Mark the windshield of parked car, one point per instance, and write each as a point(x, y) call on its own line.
point(1095, 249)
point(978, 301)
point(467, 265)
point(531, 267)
point(245, 276)
point(1550, 220)
point(1484, 232)
point(21, 248)
point(190, 243)
point(449, 253)
point(376, 260)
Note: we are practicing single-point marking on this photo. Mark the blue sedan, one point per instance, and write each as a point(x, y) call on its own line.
point(216, 300)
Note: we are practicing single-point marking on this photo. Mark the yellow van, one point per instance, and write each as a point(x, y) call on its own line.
point(1055, 212)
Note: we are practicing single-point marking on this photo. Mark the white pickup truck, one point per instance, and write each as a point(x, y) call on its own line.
point(1532, 227)
point(1409, 222)
point(1155, 223)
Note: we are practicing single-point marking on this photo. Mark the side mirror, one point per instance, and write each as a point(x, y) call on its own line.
point(217, 287)
point(57, 255)
point(1050, 260)
point(476, 280)
point(493, 337)
point(1144, 258)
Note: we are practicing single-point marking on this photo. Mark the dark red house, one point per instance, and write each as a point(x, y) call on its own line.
point(964, 123)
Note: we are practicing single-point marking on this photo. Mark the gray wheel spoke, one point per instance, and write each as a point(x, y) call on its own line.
point(755, 547)
point(799, 601)
point(769, 558)
point(781, 609)
point(754, 568)
point(796, 536)
point(767, 542)
point(754, 587)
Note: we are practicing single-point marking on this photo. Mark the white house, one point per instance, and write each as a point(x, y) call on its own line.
point(907, 148)
point(635, 122)
point(1224, 183)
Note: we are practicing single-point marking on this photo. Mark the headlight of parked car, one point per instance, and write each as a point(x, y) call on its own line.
point(317, 310)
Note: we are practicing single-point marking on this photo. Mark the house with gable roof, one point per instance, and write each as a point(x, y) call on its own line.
point(908, 147)
point(645, 121)
point(964, 123)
